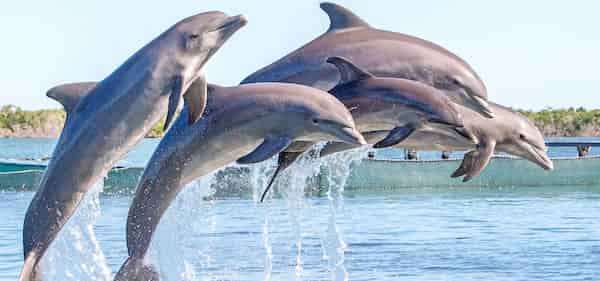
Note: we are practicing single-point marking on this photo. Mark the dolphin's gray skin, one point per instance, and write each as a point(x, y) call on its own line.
point(508, 132)
point(393, 105)
point(383, 53)
point(106, 119)
point(248, 123)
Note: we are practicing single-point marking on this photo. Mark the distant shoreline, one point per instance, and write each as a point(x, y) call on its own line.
point(569, 122)
point(47, 123)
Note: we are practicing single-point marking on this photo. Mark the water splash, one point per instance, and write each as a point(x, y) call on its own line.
point(76, 253)
point(259, 174)
point(266, 239)
point(186, 247)
point(338, 167)
point(295, 180)
point(189, 218)
point(295, 202)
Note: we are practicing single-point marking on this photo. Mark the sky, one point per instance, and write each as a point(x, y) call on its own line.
point(530, 54)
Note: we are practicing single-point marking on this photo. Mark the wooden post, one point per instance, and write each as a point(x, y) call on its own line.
point(446, 155)
point(371, 154)
point(411, 154)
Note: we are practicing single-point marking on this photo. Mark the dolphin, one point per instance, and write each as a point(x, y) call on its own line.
point(380, 104)
point(508, 132)
point(382, 53)
point(106, 119)
point(248, 124)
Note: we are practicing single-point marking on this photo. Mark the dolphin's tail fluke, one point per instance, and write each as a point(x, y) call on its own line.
point(30, 270)
point(134, 269)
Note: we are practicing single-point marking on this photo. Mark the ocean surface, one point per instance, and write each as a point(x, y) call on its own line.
point(503, 233)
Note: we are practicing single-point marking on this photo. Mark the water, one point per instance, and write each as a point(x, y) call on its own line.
point(518, 233)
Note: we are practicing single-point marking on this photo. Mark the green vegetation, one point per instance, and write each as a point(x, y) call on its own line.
point(566, 122)
point(16, 122)
point(13, 118)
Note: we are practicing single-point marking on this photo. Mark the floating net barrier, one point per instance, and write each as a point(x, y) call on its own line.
point(372, 174)
point(502, 171)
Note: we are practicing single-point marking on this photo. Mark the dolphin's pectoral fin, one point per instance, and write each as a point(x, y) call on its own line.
point(267, 149)
point(349, 72)
point(465, 165)
point(285, 160)
point(396, 136)
point(341, 18)
point(475, 161)
point(480, 161)
point(335, 147)
point(195, 99)
point(174, 97)
point(70, 94)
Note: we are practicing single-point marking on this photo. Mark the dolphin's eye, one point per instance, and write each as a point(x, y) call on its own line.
point(194, 36)
point(315, 121)
point(522, 137)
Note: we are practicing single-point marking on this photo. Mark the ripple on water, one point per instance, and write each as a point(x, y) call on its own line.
point(407, 236)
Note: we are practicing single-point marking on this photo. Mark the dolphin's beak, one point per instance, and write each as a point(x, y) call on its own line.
point(466, 133)
point(483, 106)
point(457, 125)
point(544, 160)
point(539, 157)
point(475, 102)
point(351, 136)
point(231, 24)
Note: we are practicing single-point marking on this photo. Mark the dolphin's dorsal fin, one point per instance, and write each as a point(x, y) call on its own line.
point(341, 18)
point(348, 71)
point(70, 94)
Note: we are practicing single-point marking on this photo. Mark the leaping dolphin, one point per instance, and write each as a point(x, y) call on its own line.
point(382, 53)
point(394, 106)
point(247, 124)
point(508, 132)
point(105, 120)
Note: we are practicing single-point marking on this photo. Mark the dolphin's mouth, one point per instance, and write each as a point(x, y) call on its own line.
point(231, 24)
point(464, 132)
point(541, 158)
point(483, 106)
point(459, 129)
point(471, 100)
point(351, 136)
point(439, 121)
point(535, 154)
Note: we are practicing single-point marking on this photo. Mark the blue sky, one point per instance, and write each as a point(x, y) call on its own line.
point(531, 54)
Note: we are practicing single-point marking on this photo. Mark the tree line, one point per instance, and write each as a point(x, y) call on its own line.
point(553, 122)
